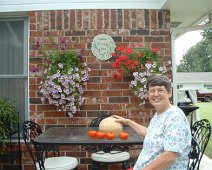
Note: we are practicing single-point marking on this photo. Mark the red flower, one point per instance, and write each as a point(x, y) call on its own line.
point(118, 77)
point(155, 50)
point(132, 67)
point(113, 54)
point(126, 63)
point(120, 71)
point(116, 65)
point(123, 57)
point(149, 62)
point(128, 50)
point(139, 55)
point(119, 49)
point(140, 45)
point(136, 62)
point(133, 45)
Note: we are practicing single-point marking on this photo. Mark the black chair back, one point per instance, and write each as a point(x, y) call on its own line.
point(201, 132)
point(30, 130)
point(95, 122)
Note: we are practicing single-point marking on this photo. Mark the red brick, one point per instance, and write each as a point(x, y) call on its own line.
point(98, 73)
point(66, 19)
point(72, 19)
point(113, 22)
point(32, 107)
point(92, 93)
point(93, 19)
point(140, 18)
point(133, 19)
point(46, 107)
point(90, 107)
point(111, 106)
point(71, 121)
point(32, 80)
point(52, 19)
point(32, 27)
point(153, 19)
point(106, 18)
point(54, 114)
point(120, 86)
point(147, 18)
point(99, 18)
point(39, 20)
point(46, 20)
point(32, 20)
point(31, 14)
point(59, 20)
point(32, 33)
point(34, 87)
point(112, 93)
point(97, 86)
point(32, 94)
point(85, 19)
point(127, 23)
point(79, 19)
point(51, 121)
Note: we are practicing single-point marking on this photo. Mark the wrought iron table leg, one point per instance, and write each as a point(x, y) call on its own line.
point(95, 165)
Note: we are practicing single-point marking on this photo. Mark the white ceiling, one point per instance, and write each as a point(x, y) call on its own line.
point(188, 12)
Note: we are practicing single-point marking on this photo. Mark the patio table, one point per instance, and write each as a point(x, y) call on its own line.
point(56, 136)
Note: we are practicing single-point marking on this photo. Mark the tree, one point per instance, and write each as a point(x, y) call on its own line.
point(199, 57)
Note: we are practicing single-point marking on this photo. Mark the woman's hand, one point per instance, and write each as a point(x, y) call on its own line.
point(141, 130)
point(120, 119)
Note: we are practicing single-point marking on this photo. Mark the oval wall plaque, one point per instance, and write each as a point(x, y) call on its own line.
point(103, 46)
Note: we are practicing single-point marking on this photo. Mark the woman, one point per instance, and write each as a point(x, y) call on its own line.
point(167, 138)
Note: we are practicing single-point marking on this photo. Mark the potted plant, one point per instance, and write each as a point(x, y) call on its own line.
point(8, 121)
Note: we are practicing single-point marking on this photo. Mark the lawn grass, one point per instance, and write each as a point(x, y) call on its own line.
point(205, 110)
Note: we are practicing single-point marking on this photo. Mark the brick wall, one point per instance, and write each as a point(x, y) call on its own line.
point(104, 94)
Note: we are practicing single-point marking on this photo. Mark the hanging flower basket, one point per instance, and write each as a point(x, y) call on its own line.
point(64, 78)
point(140, 63)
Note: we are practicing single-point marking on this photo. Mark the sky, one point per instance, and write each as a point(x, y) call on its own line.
point(183, 43)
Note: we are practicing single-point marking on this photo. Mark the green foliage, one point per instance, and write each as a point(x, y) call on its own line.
point(8, 119)
point(199, 57)
point(69, 59)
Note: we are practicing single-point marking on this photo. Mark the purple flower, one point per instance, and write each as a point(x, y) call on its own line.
point(60, 65)
point(37, 45)
point(35, 69)
point(63, 41)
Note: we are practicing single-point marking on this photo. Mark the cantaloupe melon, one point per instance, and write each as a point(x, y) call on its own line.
point(109, 125)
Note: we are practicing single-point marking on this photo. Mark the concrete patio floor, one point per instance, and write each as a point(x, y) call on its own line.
point(206, 163)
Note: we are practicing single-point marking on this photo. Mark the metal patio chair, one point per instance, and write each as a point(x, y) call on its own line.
point(102, 157)
point(201, 132)
point(30, 130)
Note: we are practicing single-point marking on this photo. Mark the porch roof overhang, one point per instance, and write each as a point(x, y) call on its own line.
point(183, 13)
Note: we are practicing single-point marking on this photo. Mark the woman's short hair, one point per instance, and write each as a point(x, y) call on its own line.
point(159, 80)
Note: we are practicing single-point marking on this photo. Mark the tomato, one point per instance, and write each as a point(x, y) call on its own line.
point(92, 133)
point(123, 135)
point(100, 135)
point(110, 135)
